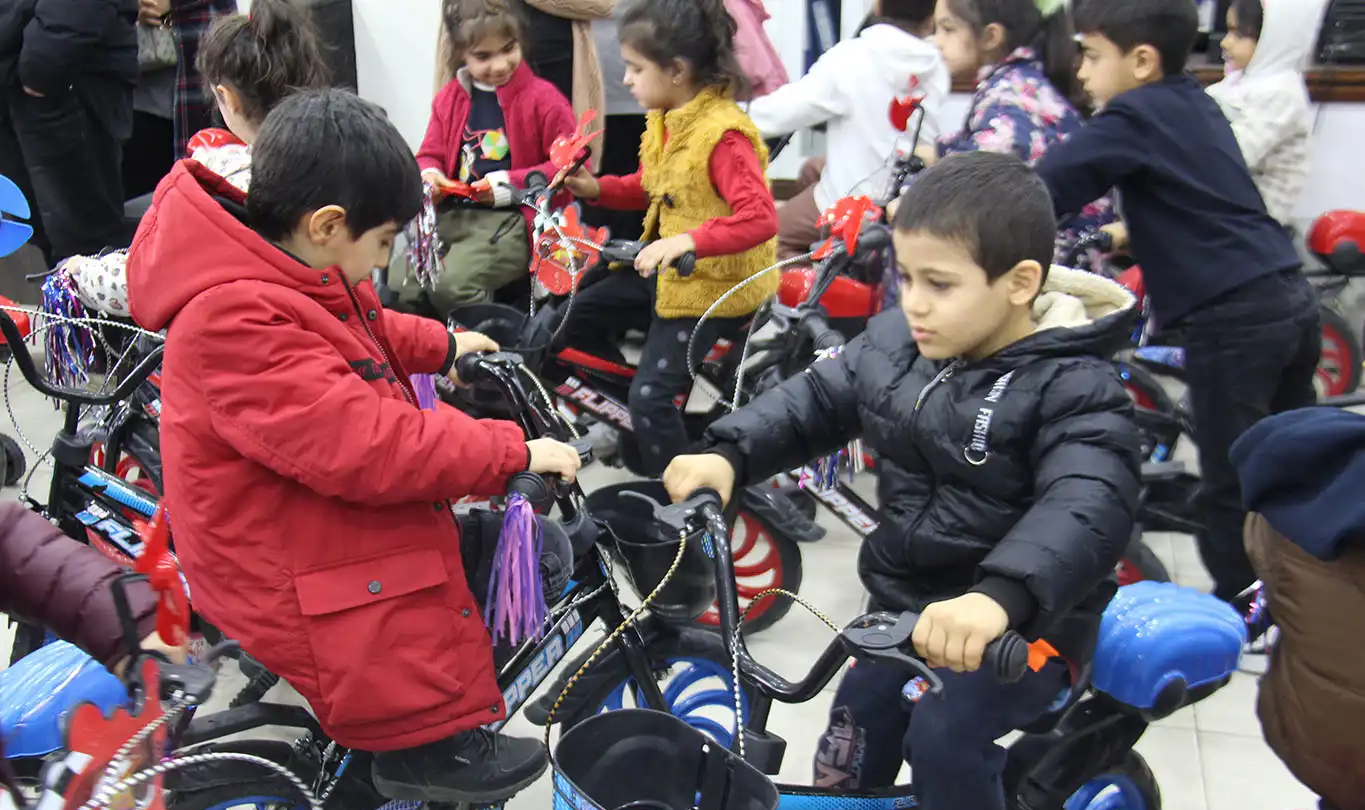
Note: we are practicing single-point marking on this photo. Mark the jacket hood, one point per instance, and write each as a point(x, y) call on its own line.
point(1304, 471)
point(898, 52)
point(192, 240)
point(1288, 32)
point(1077, 313)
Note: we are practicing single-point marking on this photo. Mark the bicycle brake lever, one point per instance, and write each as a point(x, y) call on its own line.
point(675, 516)
point(879, 637)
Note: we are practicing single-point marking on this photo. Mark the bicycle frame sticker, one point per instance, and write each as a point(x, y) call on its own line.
point(599, 404)
point(120, 542)
point(117, 490)
point(838, 503)
point(548, 654)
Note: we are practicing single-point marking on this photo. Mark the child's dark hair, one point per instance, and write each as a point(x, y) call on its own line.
point(264, 56)
point(468, 22)
point(907, 15)
point(1024, 24)
point(701, 32)
point(990, 203)
point(328, 147)
point(1250, 18)
point(1169, 26)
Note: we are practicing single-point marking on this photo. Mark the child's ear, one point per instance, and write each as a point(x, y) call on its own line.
point(326, 223)
point(227, 99)
point(993, 39)
point(1146, 63)
point(679, 71)
point(1025, 281)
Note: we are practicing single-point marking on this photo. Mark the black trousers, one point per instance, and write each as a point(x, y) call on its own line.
point(68, 165)
point(948, 739)
point(1250, 353)
point(601, 315)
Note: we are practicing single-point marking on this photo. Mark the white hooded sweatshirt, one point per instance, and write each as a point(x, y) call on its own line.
point(1268, 105)
point(850, 88)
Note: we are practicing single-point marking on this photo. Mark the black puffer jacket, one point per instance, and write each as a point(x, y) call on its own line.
point(1016, 476)
point(53, 46)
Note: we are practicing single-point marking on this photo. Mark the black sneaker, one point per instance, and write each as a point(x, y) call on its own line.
point(478, 767)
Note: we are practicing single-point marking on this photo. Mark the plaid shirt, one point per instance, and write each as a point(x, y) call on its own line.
point(193, 112)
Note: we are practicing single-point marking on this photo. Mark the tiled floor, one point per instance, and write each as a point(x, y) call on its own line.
point(1208, 757)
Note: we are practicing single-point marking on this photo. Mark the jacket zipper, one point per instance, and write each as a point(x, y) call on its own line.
point(409, 396)
point(939, 378)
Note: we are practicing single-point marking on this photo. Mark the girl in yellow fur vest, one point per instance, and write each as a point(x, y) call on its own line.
point(703, 184)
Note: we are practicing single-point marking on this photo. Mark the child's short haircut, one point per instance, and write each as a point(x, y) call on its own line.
point(1250, 17)
point(263, 57)
point(1169, 26)
point(990, 203)
point(468, 22)
point(905, 13)
point(328, 147)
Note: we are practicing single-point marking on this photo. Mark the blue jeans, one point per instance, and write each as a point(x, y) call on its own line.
point(948, 739)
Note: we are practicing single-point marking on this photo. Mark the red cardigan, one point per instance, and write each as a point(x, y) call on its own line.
point(534, 114)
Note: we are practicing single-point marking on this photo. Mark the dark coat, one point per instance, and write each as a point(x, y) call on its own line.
point(46, 578)
point(88, 47)
point(1016, 475)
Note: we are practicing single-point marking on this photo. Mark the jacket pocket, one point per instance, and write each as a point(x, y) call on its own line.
point(383, 637)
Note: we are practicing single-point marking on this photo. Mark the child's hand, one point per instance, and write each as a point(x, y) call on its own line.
point(466, 342)
point(954, 633)
point(1118, 234)
point(663, 253)
point(483, 192)
point(687, 474)
point(553, 457)
point(436, 177)
point(153, 643)
point(583, 185)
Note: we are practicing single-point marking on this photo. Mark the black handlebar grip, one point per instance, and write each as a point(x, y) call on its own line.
point(685, 264)
point(533, 487)
point(1007, 657)
point(468, 367)
point(536, 182)
point(873, 238)
point(829, 339)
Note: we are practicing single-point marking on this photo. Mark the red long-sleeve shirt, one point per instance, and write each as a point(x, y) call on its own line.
point(737, 176)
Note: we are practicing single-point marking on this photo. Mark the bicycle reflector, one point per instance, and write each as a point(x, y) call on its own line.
point(13, 207)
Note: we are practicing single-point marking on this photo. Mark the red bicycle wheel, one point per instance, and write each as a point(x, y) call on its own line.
point(763, 560)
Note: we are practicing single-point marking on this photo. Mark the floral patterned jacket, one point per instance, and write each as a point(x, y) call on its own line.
point(1016, 109)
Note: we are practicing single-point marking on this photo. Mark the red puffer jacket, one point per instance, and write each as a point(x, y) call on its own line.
point(306, 490)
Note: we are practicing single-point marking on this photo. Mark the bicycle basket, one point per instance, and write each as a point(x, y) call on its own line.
point(647, 549)
point(639, 759)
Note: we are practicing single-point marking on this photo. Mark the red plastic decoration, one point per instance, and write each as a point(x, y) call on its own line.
point(845, 220)
point(93, 740)
point(163, 574)
point(1333, 228)
point(564, 151)
point(904, 106)
point(554, 254)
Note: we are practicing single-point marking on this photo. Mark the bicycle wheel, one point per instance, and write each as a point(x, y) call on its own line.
point(693, 669)
point(1339, 365)
point(764, 558)
point(1157, 413)
point(1128, 786)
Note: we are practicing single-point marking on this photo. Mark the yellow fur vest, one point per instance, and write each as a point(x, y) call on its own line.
point(677, 177)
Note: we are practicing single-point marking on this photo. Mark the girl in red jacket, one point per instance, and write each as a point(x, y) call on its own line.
point(491, 126)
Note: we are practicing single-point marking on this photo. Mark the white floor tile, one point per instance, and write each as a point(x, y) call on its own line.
point(1242, 773)
point(1173, 755)
point(1232, 709)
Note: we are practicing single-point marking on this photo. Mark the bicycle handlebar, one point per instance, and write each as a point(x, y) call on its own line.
point(620, 251)
point(883, 637)
point(29, 369)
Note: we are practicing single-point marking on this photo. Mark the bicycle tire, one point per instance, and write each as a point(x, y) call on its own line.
point(1134, 780)
point(792, 570)
point(222, 784)
point(1338, 334)
point(611, 671)
point(15, 462)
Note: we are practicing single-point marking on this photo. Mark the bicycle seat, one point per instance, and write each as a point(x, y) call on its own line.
point(1163, 646)
point(1162, 471)
point(39, 692)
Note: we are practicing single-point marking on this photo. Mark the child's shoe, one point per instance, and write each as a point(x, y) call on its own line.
point(478, 767)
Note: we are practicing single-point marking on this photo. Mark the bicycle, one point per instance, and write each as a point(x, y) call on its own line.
point(1079, 754)
point(629, 672)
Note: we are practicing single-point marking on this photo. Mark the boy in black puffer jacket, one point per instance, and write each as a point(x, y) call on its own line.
point(1008, 469)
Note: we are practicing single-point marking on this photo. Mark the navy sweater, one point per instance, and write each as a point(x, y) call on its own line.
point(1197, 224)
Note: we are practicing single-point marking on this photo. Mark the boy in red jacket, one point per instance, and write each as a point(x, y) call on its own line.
point(309, 493)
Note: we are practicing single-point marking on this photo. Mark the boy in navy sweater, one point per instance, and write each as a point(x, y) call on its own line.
point(1217, 267)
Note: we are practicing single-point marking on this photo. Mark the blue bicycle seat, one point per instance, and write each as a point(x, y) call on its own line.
point(39, 691)
point(1163, 646)
point(13, 235)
